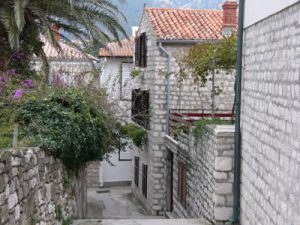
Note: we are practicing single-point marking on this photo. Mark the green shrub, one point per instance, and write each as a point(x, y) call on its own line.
point(200, 127)
point(136, 133)
point(68, 126)
point(135, 73)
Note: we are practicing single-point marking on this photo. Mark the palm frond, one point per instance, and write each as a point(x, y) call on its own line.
point(19, 11)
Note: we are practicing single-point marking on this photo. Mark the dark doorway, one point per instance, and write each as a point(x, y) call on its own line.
point(170, 158)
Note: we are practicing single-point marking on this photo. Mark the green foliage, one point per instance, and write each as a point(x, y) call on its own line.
point(59, 213)
point(6, 128)
point(200, 127)
point(134, 132)
point(69, 126)
point(68, 221)
point(135, 73)
point(67, 183)
point(205, 57)
point(178, 129)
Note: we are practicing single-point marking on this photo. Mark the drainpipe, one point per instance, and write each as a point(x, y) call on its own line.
point(237, 145)
point(168, 85)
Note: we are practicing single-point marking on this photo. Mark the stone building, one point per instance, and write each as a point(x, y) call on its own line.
point(68, 65)
point(201, 174)
point(164, 36)
point(270, 114)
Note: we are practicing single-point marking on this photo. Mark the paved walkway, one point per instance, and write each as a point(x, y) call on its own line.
point(114, 203)
point(117, 206)
point(143, 222)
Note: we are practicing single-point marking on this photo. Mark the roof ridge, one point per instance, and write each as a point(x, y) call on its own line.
point(183, 9)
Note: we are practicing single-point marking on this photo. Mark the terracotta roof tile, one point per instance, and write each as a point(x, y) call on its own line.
point(186, 24)
point(67, 51)
point(115, 50)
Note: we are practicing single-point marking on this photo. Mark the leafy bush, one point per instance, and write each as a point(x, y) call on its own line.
point(68, 126)
point(205, 57)
point(200, 127)
point(136, 133)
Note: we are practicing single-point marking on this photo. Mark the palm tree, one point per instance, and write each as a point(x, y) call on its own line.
point(91, 21)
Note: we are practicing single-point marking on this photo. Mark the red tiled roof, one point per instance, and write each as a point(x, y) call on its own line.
point(186, 24)
point(114, 49)
point(67, 51)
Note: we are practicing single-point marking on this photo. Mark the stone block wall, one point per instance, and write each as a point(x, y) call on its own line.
point(270, 182)
point(210, 174)
point(34, 189)
point(187, 95)
point(92, 174)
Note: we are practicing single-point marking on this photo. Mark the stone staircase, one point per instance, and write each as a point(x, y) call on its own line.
point(142, 222)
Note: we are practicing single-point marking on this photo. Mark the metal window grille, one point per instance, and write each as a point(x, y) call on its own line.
point(140, 107)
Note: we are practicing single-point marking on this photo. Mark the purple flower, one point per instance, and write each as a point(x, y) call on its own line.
point(28, 83)
point(19, 55)
point(18, 94)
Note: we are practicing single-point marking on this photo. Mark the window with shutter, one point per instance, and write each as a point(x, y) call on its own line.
point(145, 180)
point(182, 182)
point(141, 50)
point(136, 170)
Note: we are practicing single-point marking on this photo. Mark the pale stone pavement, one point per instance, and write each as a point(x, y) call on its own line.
point(117, 206)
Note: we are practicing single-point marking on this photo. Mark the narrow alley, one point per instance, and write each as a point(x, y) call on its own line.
point(117, 205)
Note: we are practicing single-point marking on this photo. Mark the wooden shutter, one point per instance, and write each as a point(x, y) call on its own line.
point(137, 51)
point(182, 182)
point(136, 170)
point(143, 50)
point(145, 180)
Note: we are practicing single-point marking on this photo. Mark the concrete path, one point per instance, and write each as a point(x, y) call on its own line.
point(114, 203)
point(117, 206)
point(143, 222)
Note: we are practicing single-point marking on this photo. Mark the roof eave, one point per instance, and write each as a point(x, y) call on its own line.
point(184, 41)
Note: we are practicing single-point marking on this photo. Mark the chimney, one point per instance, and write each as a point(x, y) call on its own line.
point(56, 30)
point(230, 18)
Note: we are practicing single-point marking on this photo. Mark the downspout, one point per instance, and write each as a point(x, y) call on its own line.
point(237, 144)
point(168, 85)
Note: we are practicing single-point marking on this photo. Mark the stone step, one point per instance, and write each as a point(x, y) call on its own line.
point(143, 222)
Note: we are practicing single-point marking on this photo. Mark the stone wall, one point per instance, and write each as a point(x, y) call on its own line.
point(186, 95)
point(209, 174)
point(93, 174)
point(34, 189)
point(270, 182)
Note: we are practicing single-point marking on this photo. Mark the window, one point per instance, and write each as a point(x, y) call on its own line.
point(124, 150)
point(141, 50)
point(144, 180)
point(182, 182)
point(136, 170)
point(125, 86)
point(140, 107)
